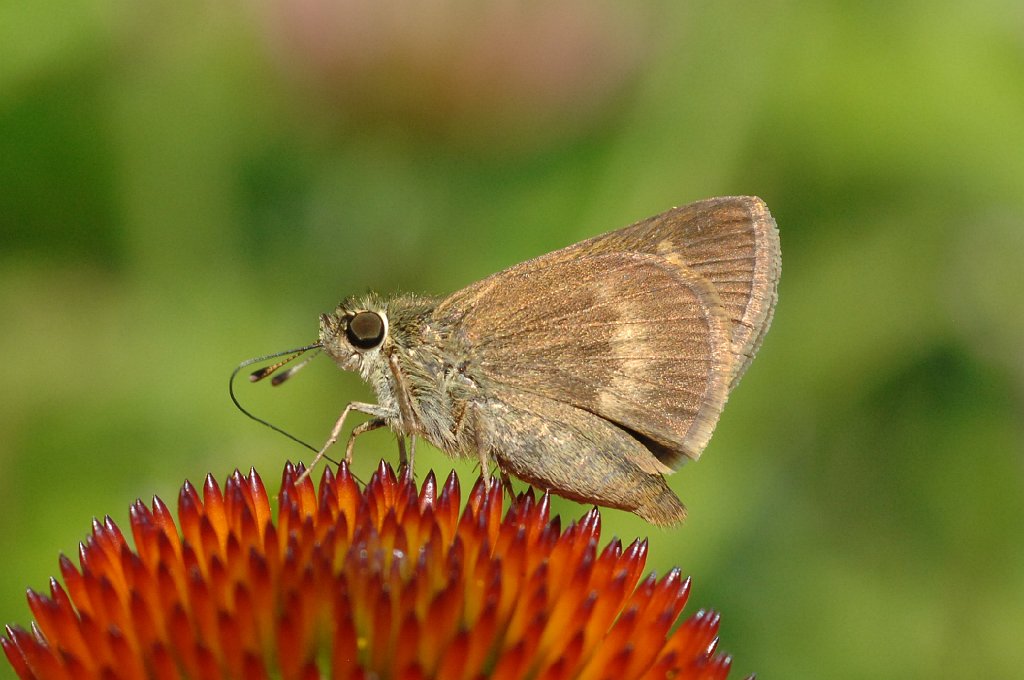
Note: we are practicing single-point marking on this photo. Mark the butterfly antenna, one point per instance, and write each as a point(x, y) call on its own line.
point(281, 377)
point(262, 373)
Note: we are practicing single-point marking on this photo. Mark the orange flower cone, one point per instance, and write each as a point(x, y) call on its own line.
point(382, 582)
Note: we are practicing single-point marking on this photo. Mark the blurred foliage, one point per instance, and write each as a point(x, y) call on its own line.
point(184, 185)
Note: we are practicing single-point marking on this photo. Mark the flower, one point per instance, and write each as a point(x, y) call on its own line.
point(383, 582)
point(496, 73)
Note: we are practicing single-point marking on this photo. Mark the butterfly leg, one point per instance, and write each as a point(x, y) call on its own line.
point(406, 458)
point(506, 482)
point(485, 467)
point(369, 409)
point(362, 428)
point(481, 447)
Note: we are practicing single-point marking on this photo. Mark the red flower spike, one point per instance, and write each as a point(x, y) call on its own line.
point(485, 631)
point(208, 546)
point(511, 663)
point(189, 513)
point(33, 655)
point(428, 492)
point(167, 539)
point(260, 500)
point(495, 496)
point(213, 505)
point(303, 494)
point(453, 657)
point(389, 582)
point(238, 508)
point(144, 624)
point(327, 501)
point(565, 666)
point(477, 495)
point(161, 665)
point(448, 504)
point(143, 529)
point(14, 653)
point(65, 621)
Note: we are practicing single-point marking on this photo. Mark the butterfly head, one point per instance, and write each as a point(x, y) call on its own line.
point(355, 333)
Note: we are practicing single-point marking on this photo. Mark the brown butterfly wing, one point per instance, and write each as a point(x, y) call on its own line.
point(732, 242)
point(634, 338)
point(554, 445)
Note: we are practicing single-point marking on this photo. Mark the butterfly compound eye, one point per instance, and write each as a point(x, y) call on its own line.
point(365, 330)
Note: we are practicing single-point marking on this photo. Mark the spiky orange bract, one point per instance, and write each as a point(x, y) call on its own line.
point(385, 582)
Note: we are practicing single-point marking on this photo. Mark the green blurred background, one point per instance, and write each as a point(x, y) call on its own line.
point(186, 184)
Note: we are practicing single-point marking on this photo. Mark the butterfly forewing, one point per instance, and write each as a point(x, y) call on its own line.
point(647, 327)
point(630, 337)
point(732, 242)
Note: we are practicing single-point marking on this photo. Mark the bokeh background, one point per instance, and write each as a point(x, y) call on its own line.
point(184, 185)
